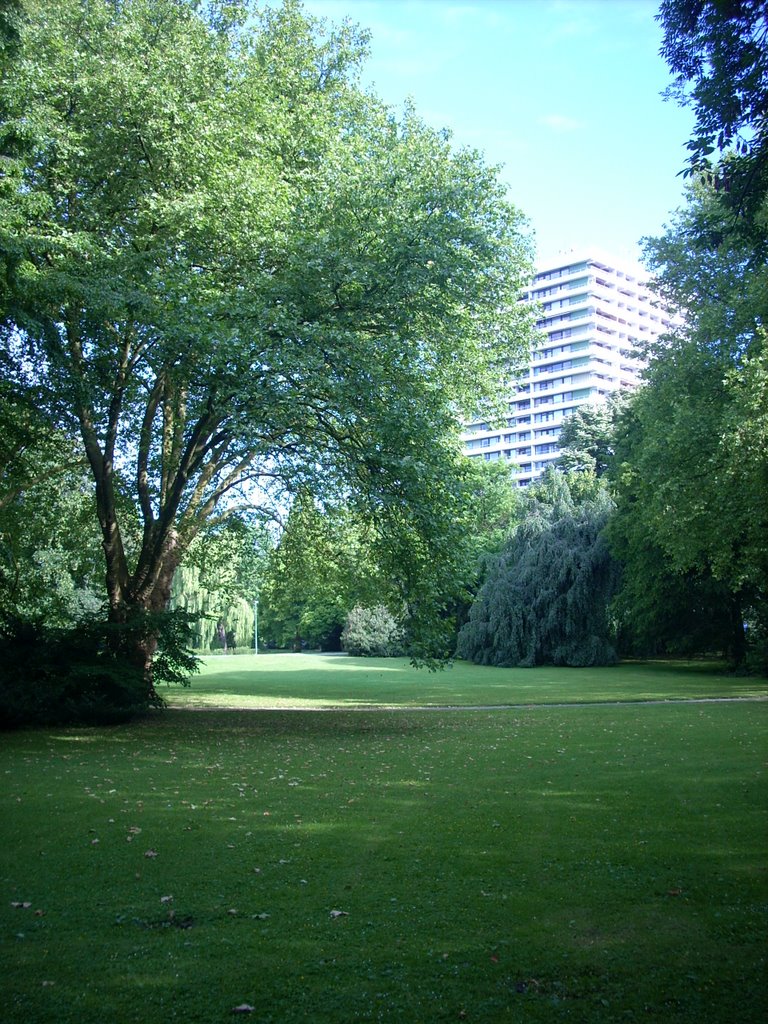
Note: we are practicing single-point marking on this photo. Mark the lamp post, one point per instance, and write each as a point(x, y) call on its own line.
point(256, 626)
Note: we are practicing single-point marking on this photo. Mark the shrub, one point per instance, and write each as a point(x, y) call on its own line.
point(86, 674)
point(372, 633)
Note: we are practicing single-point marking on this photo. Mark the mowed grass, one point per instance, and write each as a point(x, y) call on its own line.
point(322, 680)
point(579, 863)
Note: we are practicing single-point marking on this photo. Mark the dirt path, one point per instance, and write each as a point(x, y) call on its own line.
point(467, 707)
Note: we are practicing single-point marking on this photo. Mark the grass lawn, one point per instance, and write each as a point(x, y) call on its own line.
point(322, 680)
point(580, 863)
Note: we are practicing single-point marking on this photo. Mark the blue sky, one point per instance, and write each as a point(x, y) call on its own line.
point(564, 93)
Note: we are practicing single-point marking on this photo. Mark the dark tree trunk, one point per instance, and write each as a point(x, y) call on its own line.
point(151, 598)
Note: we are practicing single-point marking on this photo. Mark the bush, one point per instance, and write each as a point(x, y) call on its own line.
point(85, 674)
point(372, 633)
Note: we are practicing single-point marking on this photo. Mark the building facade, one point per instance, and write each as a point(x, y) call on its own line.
point(595, 314)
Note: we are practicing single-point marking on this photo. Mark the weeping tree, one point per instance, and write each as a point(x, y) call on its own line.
point(229, 272)
point(219, 580)
point(547, 599)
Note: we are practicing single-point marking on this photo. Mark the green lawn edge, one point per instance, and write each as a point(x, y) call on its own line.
point(324, 681)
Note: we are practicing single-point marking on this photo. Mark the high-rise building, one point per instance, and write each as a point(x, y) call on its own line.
point(595, 314)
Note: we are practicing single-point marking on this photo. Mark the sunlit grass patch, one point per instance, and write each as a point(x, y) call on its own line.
point(317, 680)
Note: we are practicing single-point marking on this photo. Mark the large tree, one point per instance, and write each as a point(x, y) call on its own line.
point(667, 604)
point(227, 269)
point(691, 473)
point(693, 459)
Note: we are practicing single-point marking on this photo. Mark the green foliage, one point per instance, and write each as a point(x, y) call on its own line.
point(320, 568)
point(718, 53)
point(691, 471)
point(546, 601)
point(692, 468)
point(87, 673)
point(12, 19)
point(373, 633)
point(667, 604)
point(493, 507)
point(236, 273)
point(51, 561)
point(586, 439)
point(219, 581)
point(174, 663)
point(663, 613)
point(331, 559)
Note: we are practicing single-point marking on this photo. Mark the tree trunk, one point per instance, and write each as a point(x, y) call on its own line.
point(151, 598)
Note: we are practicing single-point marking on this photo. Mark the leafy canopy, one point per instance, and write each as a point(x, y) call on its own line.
point(231, 274)
point(718, 53)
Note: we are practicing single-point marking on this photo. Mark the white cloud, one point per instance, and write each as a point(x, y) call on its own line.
point(560, 123)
